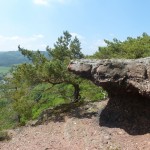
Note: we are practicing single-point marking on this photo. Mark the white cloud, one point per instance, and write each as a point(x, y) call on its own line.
point(100, 42)
point(41, 2)
point(9, 43)
point(35, 37)
point(63, 1)
point(112, 35)
point(4, 38)
point(39, 36)
point(80, 37)
point(50, 2)
point(93, 45)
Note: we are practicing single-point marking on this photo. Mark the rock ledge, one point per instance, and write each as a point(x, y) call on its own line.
point(128, 85)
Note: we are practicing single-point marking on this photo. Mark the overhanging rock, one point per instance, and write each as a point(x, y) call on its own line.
point(117, 76)
point(127, 82)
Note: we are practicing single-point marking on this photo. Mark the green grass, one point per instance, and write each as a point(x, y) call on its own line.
point(4, 69)
point(39, 99)
point(7, 115)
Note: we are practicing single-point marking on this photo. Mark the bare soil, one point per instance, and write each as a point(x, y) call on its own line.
point(75, 133)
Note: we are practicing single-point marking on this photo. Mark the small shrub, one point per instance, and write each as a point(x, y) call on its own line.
point(4, 136)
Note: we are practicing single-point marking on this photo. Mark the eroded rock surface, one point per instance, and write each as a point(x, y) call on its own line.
point(117, 76)
point(128, 85)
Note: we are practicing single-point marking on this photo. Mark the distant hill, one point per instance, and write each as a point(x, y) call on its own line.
point(10, 58)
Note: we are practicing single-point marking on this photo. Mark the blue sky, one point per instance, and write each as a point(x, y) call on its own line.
point(34, 24)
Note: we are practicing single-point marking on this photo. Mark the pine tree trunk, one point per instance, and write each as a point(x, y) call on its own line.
point(76, 92)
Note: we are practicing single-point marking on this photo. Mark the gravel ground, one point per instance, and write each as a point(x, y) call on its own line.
point(74, 134)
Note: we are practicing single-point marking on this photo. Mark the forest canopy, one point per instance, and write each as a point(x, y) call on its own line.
point(131, 48)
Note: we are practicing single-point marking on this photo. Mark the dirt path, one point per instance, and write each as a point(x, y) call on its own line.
point(75, 134)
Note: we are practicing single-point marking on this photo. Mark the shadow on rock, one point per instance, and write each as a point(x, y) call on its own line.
point(131, 113)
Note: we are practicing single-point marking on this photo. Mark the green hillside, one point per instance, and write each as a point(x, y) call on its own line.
point(10, 58)
point(7, 59)
point(4, 70)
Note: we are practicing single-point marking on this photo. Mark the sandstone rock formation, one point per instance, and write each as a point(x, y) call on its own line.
point(116, 76)
point(128, 85)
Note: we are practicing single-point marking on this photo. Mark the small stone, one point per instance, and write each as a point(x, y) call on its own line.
point(107, 137)
point(105, 142)
point(120, 132)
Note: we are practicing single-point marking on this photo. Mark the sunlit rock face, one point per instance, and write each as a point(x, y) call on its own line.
point(127, 82)
point(116, 76)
